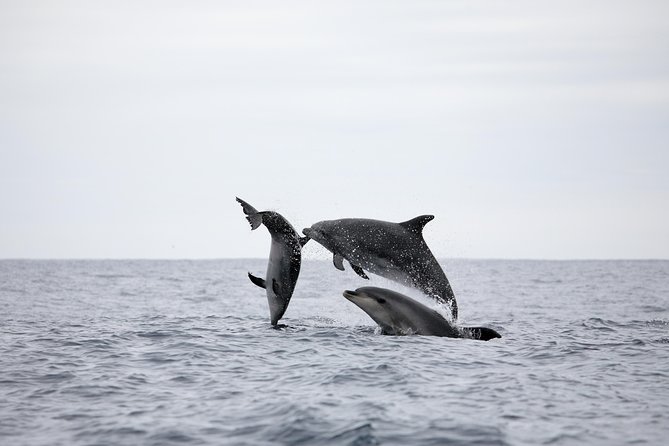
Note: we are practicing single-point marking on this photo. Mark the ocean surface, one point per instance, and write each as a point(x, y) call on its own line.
point(182, 353)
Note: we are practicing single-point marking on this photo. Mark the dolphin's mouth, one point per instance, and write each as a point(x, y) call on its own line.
point(350, 294)
point(314, 234)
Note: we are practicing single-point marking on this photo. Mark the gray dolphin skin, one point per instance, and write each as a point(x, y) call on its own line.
point(395, 251)
point(398, 314)
point(285, 258)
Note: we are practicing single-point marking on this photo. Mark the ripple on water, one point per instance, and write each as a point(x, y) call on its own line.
point(195, 360)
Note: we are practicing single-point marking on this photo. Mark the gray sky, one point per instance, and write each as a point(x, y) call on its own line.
point(530, 129)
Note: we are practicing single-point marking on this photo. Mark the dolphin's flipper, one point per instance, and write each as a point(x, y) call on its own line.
point(359, 271)
point(257, 280)
point(304, 240)
point(275, 286)
point(252, 215)
point(338, 262)
point(417, 224)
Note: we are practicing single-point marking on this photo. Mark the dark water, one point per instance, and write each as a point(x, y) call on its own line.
point(181, 352)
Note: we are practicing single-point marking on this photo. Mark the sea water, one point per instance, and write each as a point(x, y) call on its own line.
point(182, 352)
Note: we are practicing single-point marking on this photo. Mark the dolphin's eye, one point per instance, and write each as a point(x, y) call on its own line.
point(381, 300)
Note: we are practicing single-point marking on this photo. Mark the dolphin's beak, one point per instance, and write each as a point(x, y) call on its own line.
point(314, 234)
point(350, 294)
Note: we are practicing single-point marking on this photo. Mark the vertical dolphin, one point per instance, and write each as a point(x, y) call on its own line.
point(285, 258)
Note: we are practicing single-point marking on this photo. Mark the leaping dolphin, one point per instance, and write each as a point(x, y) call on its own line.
point(396, 251)
point(398, 314)
point(285, 258)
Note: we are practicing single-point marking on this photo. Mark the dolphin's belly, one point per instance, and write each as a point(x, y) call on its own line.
point(283, 268)
point(390, 272)
point(380, 263)
point(421, 271)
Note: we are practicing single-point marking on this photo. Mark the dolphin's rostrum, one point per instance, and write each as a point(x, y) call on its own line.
point(285, 258)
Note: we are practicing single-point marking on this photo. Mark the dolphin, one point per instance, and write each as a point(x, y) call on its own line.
point(285, 258)
point(398, 314)
point(396, 251)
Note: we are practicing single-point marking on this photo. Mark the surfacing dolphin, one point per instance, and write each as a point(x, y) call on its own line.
point(398, 314)
point(285, 258)
point(396, 251)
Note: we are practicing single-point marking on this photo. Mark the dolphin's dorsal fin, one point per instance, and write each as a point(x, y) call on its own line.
point(338, 261)
point(359, 271)
point(257, 280)
point(417, 224)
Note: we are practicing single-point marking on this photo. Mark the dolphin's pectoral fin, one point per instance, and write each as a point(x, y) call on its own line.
point(359, 271)
point(252, 215)
point(303, 241)
point(338, 261)
point(417, 224)
point(257, 280)
point(275, 286)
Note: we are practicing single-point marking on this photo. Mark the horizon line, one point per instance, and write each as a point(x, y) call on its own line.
point(538, 259)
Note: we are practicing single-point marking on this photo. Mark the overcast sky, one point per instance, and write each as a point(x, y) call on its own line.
point(529, 129)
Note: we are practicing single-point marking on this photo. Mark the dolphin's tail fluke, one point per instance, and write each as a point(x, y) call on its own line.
point(252, 215)
point(480, 333)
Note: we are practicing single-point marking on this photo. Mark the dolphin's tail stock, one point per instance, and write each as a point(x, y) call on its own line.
point(252, 215)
